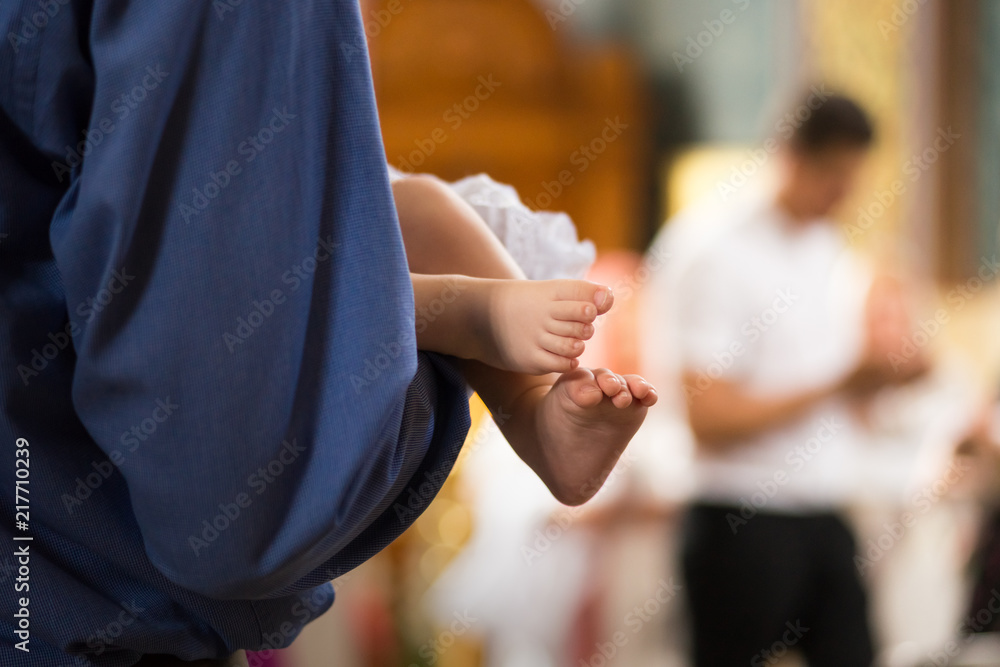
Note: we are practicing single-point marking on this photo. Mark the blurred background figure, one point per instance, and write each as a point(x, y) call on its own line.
point(642, 119)
point(776, 359)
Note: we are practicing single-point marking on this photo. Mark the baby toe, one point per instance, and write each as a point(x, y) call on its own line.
point(574, 311)
point(608, 382)
point(578, 330)
point(547, 362)
point(562, 346)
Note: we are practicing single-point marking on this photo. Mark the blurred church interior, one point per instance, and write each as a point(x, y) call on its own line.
point(622, 113)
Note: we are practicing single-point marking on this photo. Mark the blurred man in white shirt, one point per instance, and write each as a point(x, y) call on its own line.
point(772, 349)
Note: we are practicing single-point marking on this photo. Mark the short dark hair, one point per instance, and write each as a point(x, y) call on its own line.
point(834, 120)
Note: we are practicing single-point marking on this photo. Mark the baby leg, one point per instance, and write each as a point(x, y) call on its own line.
point(443, 234)
point(569, 429)
point(493, 314)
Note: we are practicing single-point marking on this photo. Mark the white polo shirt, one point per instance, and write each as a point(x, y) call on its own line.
point(777, 307)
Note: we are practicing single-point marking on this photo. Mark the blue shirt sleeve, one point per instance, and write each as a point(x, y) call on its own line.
point(238, 293)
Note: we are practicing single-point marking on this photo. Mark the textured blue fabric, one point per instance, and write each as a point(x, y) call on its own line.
point(206, 326)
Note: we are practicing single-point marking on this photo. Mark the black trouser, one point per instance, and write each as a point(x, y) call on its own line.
point(774, 584)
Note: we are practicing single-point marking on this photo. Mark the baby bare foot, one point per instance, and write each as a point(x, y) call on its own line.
point(538, 327)
point(583, 425)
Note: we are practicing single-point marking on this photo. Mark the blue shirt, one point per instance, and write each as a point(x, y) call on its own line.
point(212, 403)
